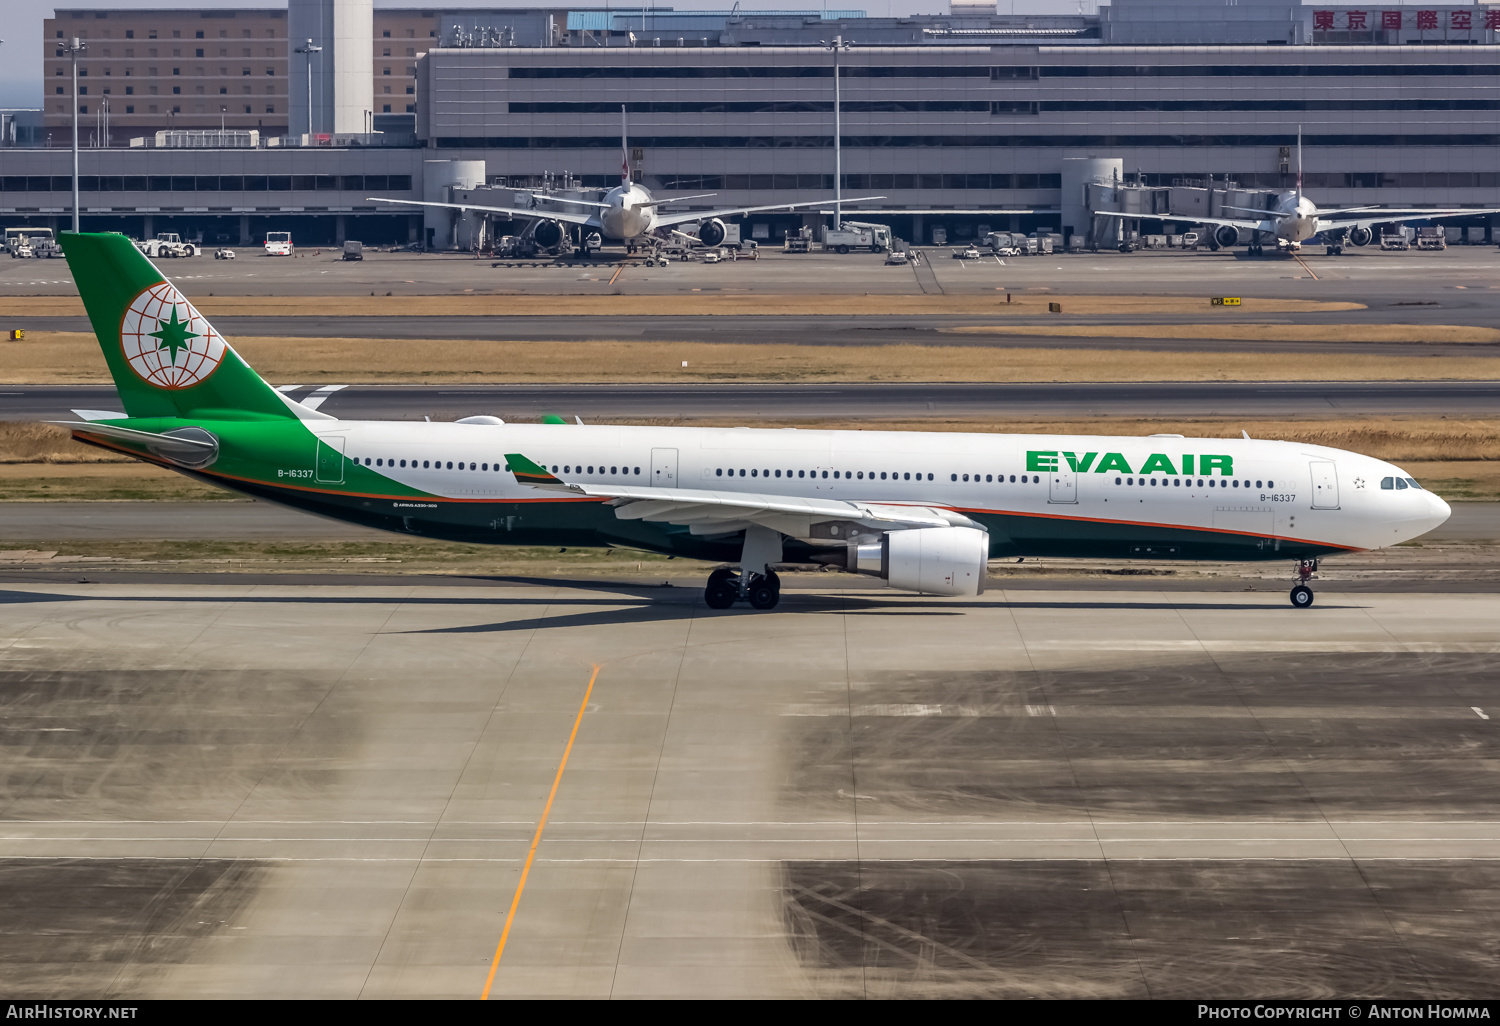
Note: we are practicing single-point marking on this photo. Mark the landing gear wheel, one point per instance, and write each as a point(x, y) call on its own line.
point(764, 592)
point(1302, 597)
point(723, 589)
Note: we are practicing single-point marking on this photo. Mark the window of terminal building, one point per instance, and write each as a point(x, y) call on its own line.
point(386, 34)
point(198, 52)
point(130, 33)
point(150, 34)
point(198, 34)
point(177, 33)
point(385, 108)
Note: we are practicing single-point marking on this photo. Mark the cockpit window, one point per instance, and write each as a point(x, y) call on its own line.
point(1387, 483)
point(1413, 483)
point(1400, 485)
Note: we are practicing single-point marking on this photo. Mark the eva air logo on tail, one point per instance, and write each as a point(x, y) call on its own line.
point(167, 341)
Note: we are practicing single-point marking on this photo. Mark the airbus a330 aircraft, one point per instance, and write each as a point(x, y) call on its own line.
point(628, 211)
point(1294, 219)
point(924, 511)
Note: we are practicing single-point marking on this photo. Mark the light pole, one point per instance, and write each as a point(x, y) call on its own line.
point(836, 45)
point(308, 49)
point(73, 48)
point(222, 112)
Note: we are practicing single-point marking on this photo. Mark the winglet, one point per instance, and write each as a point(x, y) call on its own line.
point(552, 418)
point(527, 472)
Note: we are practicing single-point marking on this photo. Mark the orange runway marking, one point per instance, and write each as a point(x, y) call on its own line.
point(1309, 270)
point(515, 902)
point(618, 271)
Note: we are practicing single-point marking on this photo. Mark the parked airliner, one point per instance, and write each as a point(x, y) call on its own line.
point(1293, 219)
point(925, 511)
point(628, 211)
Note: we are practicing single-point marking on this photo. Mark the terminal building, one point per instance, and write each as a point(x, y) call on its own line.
point(960, 119)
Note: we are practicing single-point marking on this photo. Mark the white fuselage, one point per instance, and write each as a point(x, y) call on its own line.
point(628, 214)
point(1275, 490)
point(1296, 218)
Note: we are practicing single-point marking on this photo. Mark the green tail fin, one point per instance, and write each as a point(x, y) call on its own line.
point(166, 359)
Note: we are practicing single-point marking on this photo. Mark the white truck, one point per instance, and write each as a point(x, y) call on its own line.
point(168, 244)
point(31, 242)
point(278, 243)
point(851, 235)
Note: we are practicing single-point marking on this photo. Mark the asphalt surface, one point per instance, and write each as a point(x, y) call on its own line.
point(847, 402)
point(330, 790)
point(841, 331)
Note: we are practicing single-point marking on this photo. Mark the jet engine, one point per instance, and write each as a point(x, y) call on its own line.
point(930, 560)
point(711, 233)
point(1361, 236)
point(547, 234)
point(1227, 235)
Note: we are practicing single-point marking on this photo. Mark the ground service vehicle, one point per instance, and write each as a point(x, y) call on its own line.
point(851, 235)
point(1431, 237)
point(353, 250)
point(1394, 241)
point(924, 511)
point(169, 244)
point(29, 238)
point(278, 243)
point(898, 257)
point(223, 253)
point(1002, 244)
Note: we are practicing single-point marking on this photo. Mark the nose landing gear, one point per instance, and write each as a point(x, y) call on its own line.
point(1302, 595)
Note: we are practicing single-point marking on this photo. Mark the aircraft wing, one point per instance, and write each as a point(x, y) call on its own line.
point(667, 220)
point(1374, 215)
point(540, 215)
point(1264, 225)
point(678, 199)
point(710, 512)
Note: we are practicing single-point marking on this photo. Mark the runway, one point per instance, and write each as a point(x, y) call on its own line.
point(854, 331)
point(849, 402)
point(288, 790)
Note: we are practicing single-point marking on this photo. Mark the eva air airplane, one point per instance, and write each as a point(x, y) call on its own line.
point(924, 511)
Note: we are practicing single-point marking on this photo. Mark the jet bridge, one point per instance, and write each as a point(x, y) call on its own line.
point(1181, 200)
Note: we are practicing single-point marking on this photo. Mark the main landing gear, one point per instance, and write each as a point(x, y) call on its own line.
point(756, 582)
point(725, 588)
point(1302, 595)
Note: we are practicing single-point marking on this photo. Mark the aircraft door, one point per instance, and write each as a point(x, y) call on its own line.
point(1064, 486)
point(664, 468)
point(1325, 485)
point(330, 463)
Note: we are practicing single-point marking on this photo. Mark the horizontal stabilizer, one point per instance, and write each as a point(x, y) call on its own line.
point(150, 438)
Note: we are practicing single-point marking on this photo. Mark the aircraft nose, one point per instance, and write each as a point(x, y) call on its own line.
point(1439, 511)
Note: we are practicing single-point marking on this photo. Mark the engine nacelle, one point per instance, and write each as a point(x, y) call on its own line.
point(1227, 235)
point(1361, 236)
point(711, 233)
point(547, 234)
point(929, 560)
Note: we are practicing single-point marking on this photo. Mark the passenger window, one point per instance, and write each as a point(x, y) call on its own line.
point(754, 473)
point(1013, 479)
point(1117, 480)
point(1130, 480)
point(825, 475)
point(1400, 485)
point(1259, 485)
point(1270, 483)
point(719, 472)
point(778, 473)
point(1176, 482)
point(367, 461)
point(380, 463)
point(1200, 482)
point(1412, 482)
point(801, 473)
point(742, 472)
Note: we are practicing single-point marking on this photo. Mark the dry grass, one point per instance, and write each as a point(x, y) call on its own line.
point(74, 357)
point(101, 482)
point(1446, 333)
point(590, 304)
point(27, 443)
